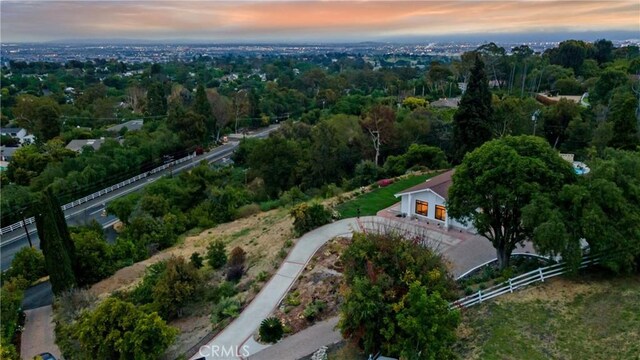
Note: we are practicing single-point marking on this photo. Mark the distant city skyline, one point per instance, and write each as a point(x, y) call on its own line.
point(316, 21)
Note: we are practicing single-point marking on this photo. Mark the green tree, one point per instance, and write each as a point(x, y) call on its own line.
point(426, 326)
point(202, 107)
point(119, 330)
point(216, 254)
point(41, 116)
point(556, 119)
point(625, 124)
point(28, 263)
point(123, 207)
point(396, 297)
point(308, 217)
point(494, 183)
point(378, 122)
point(277, 161)
point(609, 80)
point(56, 244)
point(472, 121)
point(12, 293)
point(602, 208)
point(175, 287)
point(93, 255)
point(156, 100)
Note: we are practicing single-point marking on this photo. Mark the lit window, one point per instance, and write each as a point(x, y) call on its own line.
point(422, 207)
point(441, 212)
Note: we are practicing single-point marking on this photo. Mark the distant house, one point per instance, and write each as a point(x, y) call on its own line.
point(450, 103)
point(6, 153)
point(18, 133)
point(78, 145)
point(428, 202)
point(131, 125)
point(550, 99)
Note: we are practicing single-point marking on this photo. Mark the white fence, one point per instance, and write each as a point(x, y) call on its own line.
point(12, 227)
point(538, 275)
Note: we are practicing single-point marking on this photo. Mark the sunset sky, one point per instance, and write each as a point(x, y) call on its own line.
point(331, 21)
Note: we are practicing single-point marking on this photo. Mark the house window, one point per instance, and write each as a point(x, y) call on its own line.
point(422, 207)
point(441, 212)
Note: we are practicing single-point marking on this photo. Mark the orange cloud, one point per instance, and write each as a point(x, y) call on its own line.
point(246, 20)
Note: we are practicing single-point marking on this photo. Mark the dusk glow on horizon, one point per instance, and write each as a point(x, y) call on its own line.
point(225, 21)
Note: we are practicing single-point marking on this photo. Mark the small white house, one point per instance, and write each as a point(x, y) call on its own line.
point(18, 133)
point(428, 202)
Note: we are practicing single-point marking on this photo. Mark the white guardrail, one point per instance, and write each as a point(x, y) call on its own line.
point(520, 281)
point(18, 225)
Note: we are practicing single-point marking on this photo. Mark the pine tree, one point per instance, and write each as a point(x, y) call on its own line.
point(56, 244)
point(471, 123)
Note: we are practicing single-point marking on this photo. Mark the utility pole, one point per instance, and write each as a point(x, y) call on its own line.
point(534, 118)
point(26, 231)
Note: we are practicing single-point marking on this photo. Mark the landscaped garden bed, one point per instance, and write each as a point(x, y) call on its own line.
point(315, 296)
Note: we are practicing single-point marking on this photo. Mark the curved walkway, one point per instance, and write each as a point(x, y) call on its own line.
point(235, 341)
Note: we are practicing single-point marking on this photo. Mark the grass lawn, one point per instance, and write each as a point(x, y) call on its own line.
point(593, 317)
point(380, 198)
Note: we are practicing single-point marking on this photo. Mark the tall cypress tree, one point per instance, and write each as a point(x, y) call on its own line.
point(201, 106)
point(156, 101)
point(472, 121)
point(56, 244)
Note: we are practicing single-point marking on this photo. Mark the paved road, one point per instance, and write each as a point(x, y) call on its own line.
point(38, 335)
point(465, 252)
point(91, 210)
point(307, 341)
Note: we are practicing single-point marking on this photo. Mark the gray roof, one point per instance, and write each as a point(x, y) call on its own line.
point(7, 152)
point(438, 184)
point(77, 145)
point(446, 103)
point(131, 125)
point(10, 130)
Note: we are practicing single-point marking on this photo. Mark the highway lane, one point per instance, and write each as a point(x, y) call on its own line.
point(84, 213)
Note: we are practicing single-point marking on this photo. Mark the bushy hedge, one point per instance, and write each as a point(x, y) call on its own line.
point(308, 217)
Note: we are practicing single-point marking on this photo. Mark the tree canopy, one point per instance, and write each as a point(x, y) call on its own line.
point(494, 183)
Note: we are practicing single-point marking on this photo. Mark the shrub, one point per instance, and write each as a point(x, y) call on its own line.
point(235, 272)
point(269, 205)
point(176, 286)
point(271, 330)
point(292, 196)
point(226, 308)
point(28, 263)
point(313, 309)
point(247, 210)
point(468, 290)
point(216, 254)
point(308, 217)
point(196, 260)
point(143, 293)
point(385, 182)
point(238, 256)
point(293, 299)
point(262, 276)
point(366, 172)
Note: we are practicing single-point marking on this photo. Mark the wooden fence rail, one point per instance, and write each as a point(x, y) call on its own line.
point(517, 282)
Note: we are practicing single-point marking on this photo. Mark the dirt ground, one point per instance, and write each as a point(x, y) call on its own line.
point(261, 236)
point(265, 237)
point(320, 281)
